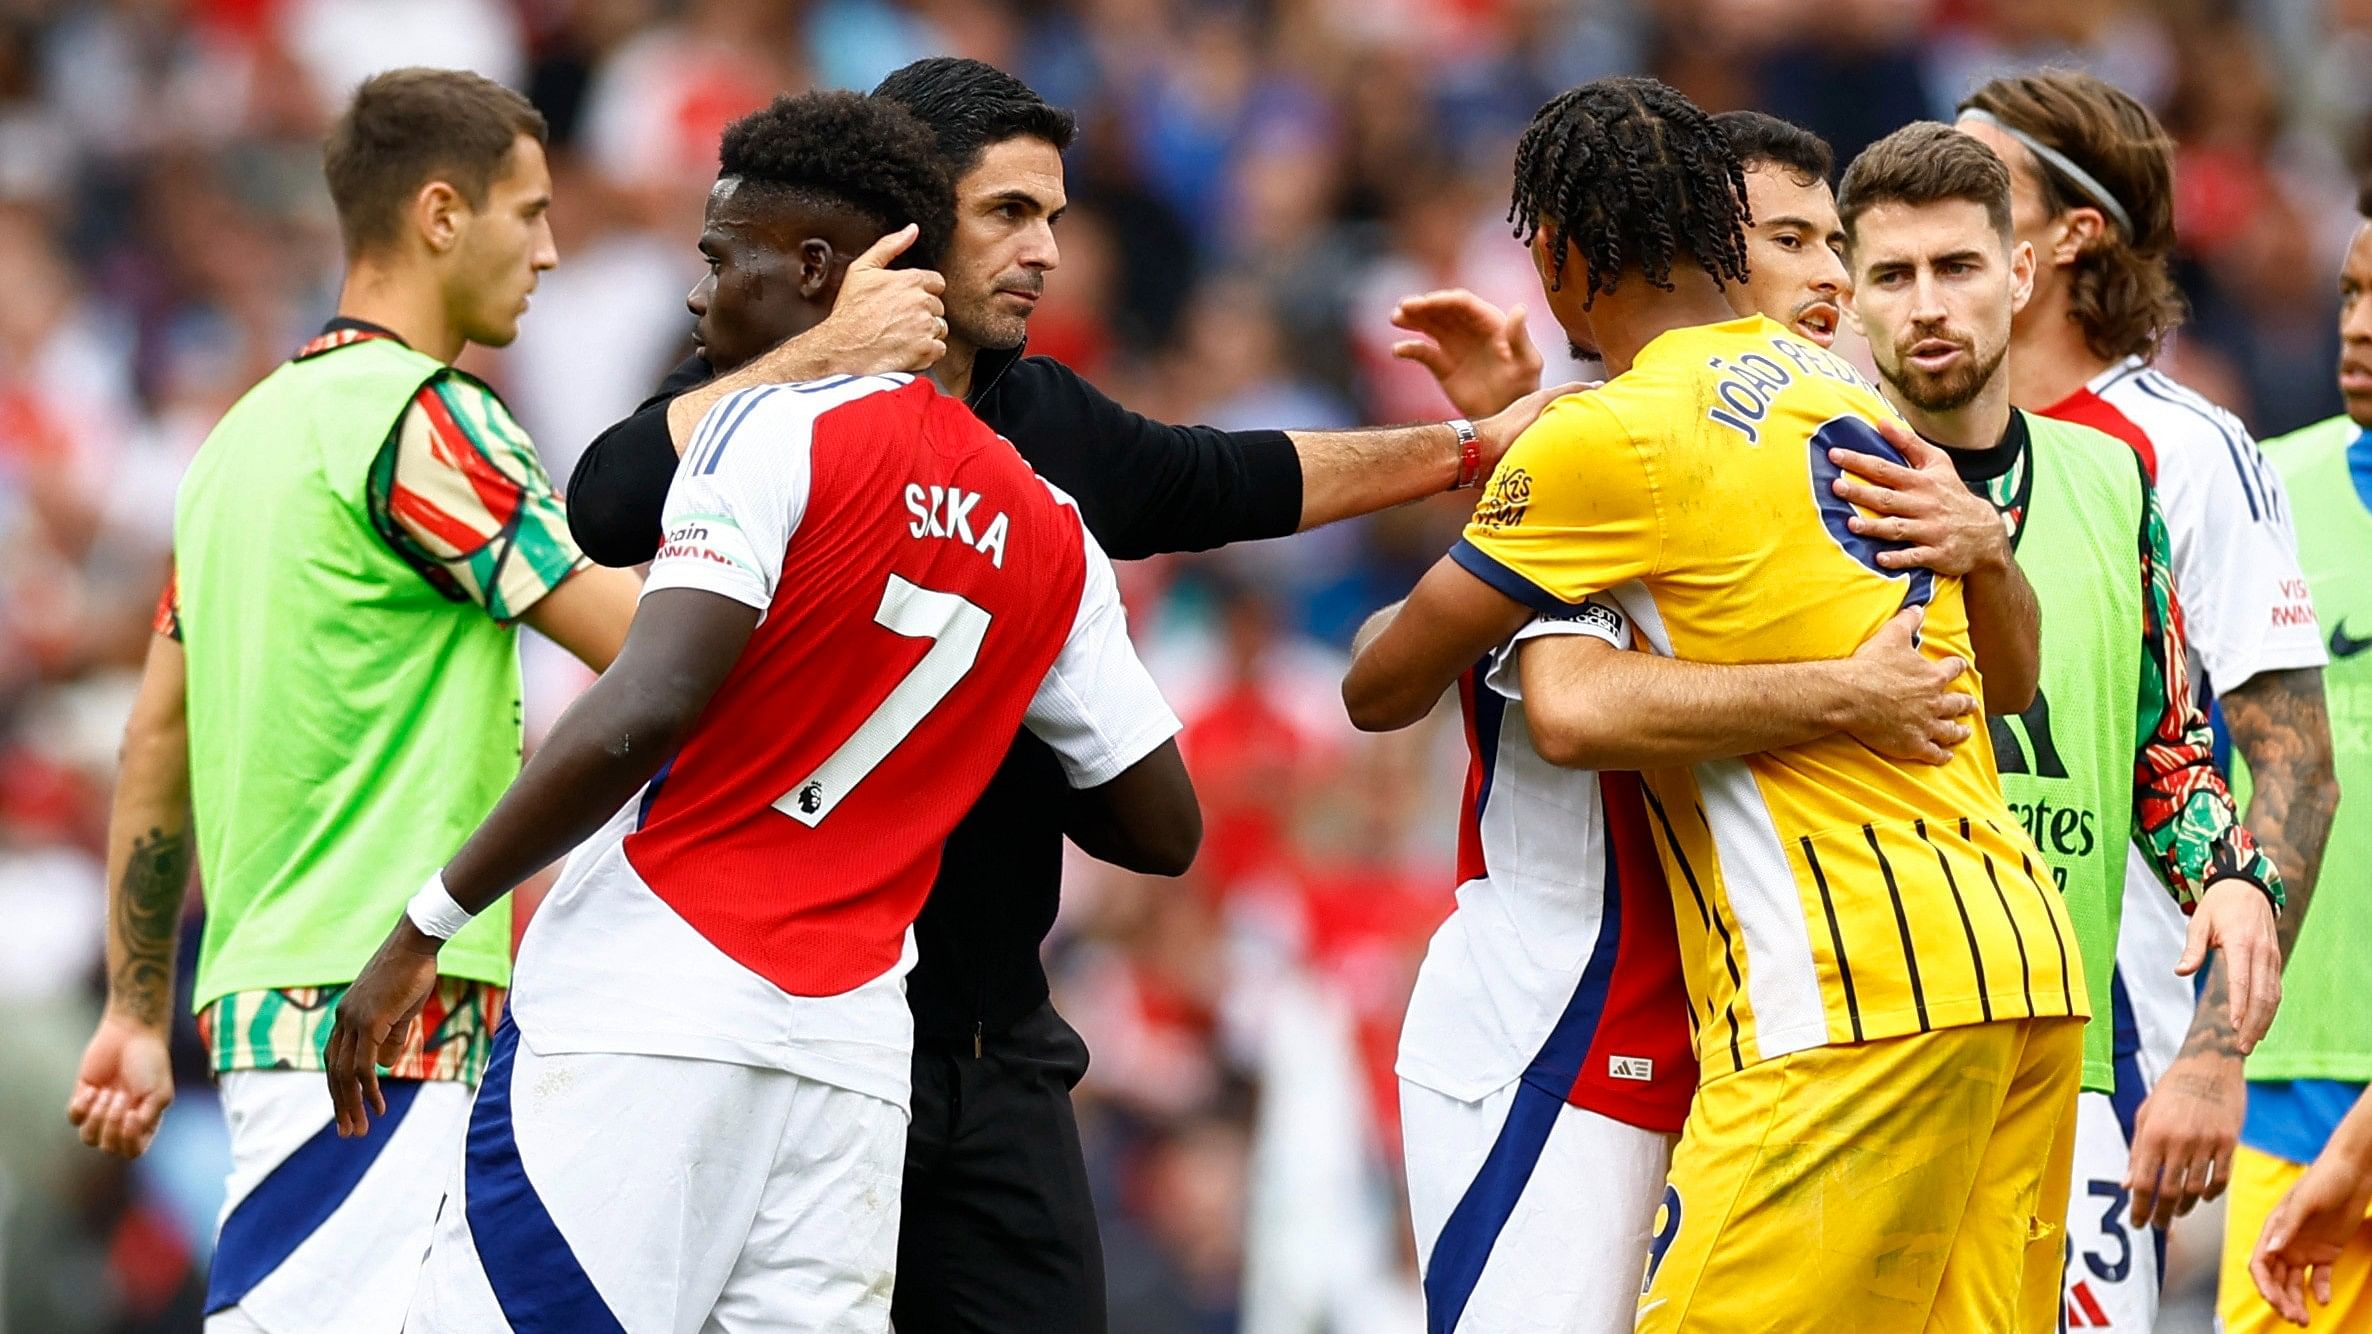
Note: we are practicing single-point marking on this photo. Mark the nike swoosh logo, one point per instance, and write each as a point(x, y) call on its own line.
point(2345, 645)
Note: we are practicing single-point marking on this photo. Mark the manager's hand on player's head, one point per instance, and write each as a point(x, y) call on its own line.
point(375, 1019)
point(884, 319)
point(1905, 703)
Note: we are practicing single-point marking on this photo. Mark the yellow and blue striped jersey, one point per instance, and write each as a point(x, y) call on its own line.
point(1824, 893)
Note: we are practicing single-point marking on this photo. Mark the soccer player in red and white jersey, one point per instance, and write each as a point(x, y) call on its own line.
point(2092, 191)
point(695, 1116)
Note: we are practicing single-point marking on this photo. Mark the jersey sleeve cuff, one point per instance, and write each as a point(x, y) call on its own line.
point(1119, 754)
point(1479, 563)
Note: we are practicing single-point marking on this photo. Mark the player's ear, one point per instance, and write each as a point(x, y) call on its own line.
point(817, 273)
point(2081, 227)
point(439, 213)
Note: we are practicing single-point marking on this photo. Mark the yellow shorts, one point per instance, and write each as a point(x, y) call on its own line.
point(1911, 1183)
point(2259, 1180)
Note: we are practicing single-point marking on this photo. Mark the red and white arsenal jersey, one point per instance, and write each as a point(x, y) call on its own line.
point(2244, 604)
point(923, 595)
point(1560, 965)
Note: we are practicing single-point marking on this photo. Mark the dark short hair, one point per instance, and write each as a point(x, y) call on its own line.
point(1925, 162)
point(865, 154)
point(408, 127)
point(969, 105)
point(1634, 176)
point(2121, 293)
point(1757, 138)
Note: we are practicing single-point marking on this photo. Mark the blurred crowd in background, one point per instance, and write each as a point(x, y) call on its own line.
point(1254, 185)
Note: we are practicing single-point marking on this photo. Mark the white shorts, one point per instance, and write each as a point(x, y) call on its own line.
point(664, 1195)
point(1531, 1214)
point(320, 1232)
point(2113, 1267)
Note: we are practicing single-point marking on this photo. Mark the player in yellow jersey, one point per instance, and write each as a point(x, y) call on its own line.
point(1885, 983)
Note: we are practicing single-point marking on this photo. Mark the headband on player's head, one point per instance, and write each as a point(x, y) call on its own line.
point(2064, 165)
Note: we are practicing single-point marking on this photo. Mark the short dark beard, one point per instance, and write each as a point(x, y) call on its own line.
point(1946, 396)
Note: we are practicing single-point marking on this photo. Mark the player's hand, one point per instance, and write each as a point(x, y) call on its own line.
point(1495, 433)
point(1480, 354)
point(2305, 1233)
point(123, 1088)
point(2234, 916)
point(1945, 526)
point(1903, 704)
point(375, 1019)
point(885, 319)
point(2184, 1135)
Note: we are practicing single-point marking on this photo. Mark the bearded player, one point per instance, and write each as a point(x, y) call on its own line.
point(2117, 754)
point(1544, 1061)
point(2091, 174)
point(1844, 1004)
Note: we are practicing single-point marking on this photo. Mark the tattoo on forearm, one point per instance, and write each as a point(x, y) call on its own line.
point(2281, 726)
point(147, 922)
point(2212, 1031)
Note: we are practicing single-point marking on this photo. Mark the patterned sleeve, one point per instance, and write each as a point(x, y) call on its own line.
point(460, 494)
point(2183, 814)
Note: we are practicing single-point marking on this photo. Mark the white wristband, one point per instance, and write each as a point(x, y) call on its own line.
point(434, 911)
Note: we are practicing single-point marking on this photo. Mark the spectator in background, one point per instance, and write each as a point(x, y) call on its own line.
point(134, 134)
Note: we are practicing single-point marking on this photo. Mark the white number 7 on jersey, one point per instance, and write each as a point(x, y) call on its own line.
point(955, 628)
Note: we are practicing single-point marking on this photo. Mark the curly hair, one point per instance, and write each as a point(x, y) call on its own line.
point(2120, 291)
point(1634, 176)
point(866, 154)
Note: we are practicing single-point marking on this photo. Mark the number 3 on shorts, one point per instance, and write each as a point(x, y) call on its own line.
point(955, 627)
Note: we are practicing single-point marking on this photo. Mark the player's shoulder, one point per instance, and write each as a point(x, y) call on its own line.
point(1588, 418)
point(776, 410)
point(2180, 422)
point(2309, 445)
point(1740, 369)
point(2081, 441)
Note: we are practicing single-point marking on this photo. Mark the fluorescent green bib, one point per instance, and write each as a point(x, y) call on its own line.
point(2320, 1032)
point(2067, 762)
point(348, 725)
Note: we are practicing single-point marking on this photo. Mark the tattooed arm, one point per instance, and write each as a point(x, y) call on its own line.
point(2183, 818)
point(126, 1080)
point(2280, 726)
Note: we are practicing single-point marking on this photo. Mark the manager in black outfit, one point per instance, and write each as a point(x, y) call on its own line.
point(999, 1228)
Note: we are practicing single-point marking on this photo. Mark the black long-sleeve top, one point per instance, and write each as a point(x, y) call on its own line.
point(1143, 487)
